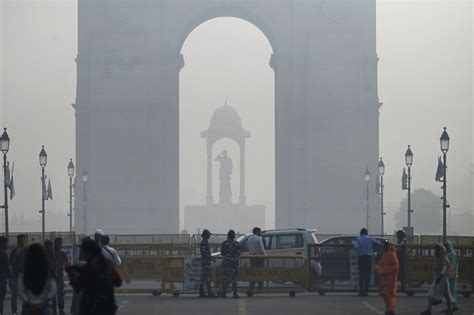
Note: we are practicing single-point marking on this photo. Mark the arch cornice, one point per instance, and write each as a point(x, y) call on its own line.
point(235, 10)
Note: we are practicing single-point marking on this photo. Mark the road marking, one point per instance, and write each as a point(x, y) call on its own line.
point(242, 307)
point(372, 308)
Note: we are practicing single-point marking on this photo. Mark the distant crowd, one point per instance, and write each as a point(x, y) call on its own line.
point(36, 273)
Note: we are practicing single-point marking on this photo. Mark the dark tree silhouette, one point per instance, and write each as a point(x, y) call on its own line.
point(427, 212)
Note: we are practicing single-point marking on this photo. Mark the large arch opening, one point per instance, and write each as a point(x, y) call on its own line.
point(227, 59)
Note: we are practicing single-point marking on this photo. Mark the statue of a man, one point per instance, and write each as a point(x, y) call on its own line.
point(225, 191)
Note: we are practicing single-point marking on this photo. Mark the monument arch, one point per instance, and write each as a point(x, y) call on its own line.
point(127, 108)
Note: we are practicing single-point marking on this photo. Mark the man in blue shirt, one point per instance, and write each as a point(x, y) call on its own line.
point(365, 250)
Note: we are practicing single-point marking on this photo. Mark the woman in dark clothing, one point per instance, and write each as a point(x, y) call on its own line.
point(96, 281)
point(36, 286)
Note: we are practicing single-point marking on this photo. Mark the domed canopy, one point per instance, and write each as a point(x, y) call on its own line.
point(226, 123)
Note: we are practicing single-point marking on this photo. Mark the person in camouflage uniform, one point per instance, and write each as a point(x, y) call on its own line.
point(206, 260)
point(230, 250)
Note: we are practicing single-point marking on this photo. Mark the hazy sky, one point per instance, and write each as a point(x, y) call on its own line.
point(425, 82)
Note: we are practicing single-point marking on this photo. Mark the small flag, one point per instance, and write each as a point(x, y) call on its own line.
point(50, 191)
point(439, 170)
point(12, 183)
point(44, 192)
point(377, 186)
point(404, 180)
point(7, 174)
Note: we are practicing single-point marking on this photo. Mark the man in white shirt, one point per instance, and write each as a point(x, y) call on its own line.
point(99, 238)
point(112, 251)
point(257, 248)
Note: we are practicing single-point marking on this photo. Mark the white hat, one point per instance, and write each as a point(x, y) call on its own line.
point(99, 231)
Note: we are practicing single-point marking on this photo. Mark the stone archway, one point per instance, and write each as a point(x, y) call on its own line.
point(326, 107)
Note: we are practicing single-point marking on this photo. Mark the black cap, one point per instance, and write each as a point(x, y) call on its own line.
point(206, 232)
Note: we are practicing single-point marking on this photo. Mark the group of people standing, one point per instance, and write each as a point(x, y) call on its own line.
point(35, 274)
point(230, 251)
point(444, 280)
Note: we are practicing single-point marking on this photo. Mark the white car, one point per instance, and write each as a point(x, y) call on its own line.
point(288, 242)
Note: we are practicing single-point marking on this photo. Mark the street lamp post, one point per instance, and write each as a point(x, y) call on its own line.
point(382, 213)
point(84, 202)
point(5, 146)
point(409, 162)
point(70, 173)
point(444, 144)
point(367, 181)
point(43, 159)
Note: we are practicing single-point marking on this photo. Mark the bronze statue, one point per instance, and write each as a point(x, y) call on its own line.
point(225, 171)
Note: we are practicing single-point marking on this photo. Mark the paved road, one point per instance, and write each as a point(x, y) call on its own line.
point(331, 304)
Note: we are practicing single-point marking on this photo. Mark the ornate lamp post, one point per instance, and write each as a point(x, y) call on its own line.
point(409, 162)
point(5, 146)
point(70, 173)
point(444, 144)
point(367, 181)
point(381, 167)
point(84, 203)
point(43, 159)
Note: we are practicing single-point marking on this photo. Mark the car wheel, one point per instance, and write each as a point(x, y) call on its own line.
point(410, 293)
point(322, 292)
point(176, 294)
point(249, 293)
point(292, 293)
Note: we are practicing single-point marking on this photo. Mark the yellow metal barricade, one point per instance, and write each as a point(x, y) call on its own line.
point(143, 268)
point(280, 274)
point(143, 262)
point(419, 267)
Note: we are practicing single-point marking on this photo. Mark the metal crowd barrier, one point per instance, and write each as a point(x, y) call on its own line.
point(143, 262)
point(419, 268)
point(280, 274)
point(340, 268)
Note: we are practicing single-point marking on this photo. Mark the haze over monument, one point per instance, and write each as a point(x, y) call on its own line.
point(413, 110)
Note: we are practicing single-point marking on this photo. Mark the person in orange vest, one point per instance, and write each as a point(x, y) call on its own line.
point(388, 271)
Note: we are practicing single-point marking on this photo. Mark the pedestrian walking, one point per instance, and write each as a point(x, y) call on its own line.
point(365, 251)
point(256, 248)
point(59, 263)
point(48, 248)
point(206, 260)
point(4, 270)
point(111, 251)
point(401, 249)
point(230, 250)
point(440, 286)
point(388, 271)
point(95, 281)
point(453, 276)
point(17, 262)
point(36, 285)
point(99, 238)
point(78, 264)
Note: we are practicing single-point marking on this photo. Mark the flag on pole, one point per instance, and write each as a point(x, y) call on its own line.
point(439, 171)
point(404, 180)
point(12, 183)
point(44, 192)
point(377, 186)
point(50, 191)
point(7, 174)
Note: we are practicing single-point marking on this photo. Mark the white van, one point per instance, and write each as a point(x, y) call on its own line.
point(287, 242)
